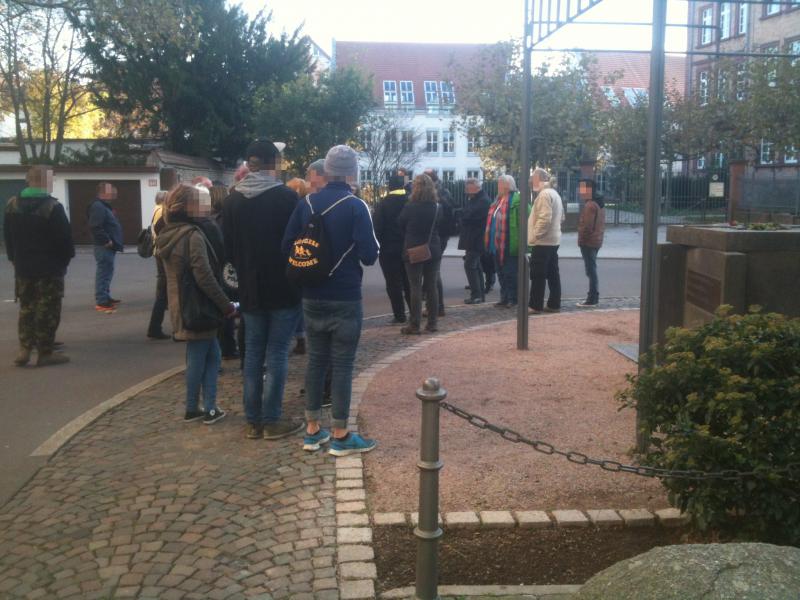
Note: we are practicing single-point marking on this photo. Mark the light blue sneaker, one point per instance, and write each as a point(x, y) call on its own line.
point(313, 442)
point(354, 444)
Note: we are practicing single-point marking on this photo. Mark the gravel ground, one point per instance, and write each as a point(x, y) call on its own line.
point(561, 391)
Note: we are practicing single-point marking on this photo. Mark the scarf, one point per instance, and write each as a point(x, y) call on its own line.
point(498, 212)
point(256, 183)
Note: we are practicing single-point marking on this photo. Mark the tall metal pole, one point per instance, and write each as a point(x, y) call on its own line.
point(428, 531)
point(652, 193)
point(522, 254)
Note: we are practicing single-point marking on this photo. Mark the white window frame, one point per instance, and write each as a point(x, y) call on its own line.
point(773, 8)
point(447, 93)
point(431, 93)
point(766, 154)
point(473, 173)
point(389, 92)
point(719, 160)
point(702, 88)
point(448, 142)
point(365, 175)
point(432, 141)
point(407, 94)
point(790, 156)
point(707, 21)
point(701, 163)
point(744, 15)
point(794, 48)
point(611, 95)
point(407, 141)
point(722, 85)
point(390, 140)
point(725, 20)
point(772, 74)
point(473, 143)
point(448, 175)
point(741, 81)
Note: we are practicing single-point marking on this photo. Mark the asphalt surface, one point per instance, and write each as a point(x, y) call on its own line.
point(111, 352)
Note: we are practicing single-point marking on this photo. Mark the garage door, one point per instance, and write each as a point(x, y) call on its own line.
point(127, 206)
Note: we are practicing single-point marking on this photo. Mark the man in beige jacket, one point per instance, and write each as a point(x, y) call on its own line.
point(544, 235)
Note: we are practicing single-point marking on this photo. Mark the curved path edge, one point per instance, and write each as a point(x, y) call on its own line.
point(56, 441)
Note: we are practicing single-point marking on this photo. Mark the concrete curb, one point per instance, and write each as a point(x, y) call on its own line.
point(534, 591)
point(540, 519)
point(56, 441)
point(357, 573)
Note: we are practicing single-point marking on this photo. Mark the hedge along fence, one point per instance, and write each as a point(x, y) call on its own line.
point(726, 396)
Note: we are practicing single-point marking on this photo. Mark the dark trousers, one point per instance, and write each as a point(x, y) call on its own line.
point(472, 268)
point(487, 266)
point(423, 277)
point(160, 304)
point(507, 275)
point(544, 269)
point(397, 287)
point(590, 264)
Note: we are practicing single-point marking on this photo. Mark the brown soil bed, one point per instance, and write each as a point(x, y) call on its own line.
point(561, 391)
point(517, 556)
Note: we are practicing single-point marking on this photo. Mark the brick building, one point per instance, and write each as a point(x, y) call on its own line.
point(413, 82)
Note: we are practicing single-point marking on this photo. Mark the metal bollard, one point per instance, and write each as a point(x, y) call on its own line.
point(428, 531)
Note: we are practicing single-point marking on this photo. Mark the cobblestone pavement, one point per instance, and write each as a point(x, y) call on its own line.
point(142, 505)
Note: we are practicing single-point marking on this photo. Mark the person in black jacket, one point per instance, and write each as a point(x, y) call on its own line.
point(107, 236)
point(39, 245)
point(418, 220)
point(390, 237)
point(255, 216)
point(473, 224)
point(444, 227)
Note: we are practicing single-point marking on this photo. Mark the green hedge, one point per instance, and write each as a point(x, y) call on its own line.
point(727, 396)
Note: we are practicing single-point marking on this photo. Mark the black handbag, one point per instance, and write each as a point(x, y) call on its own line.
point(144, 243)
point(198, 311)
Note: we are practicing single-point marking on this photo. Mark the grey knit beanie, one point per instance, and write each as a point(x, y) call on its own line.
point(341, 161)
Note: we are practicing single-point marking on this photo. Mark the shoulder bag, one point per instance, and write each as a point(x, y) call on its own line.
point(421, 253)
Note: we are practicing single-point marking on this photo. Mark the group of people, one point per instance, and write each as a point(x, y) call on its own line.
point(214, 245)
point(489, 236)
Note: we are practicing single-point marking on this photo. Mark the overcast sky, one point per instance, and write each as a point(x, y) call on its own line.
point(459, 21)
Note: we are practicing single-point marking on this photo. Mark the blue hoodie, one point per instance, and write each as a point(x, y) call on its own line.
point(348, 224)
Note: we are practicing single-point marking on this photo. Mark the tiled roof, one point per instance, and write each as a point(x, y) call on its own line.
point(635, 70)
point(414, 62)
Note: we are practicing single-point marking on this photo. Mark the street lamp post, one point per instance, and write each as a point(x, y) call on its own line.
point(522, 226)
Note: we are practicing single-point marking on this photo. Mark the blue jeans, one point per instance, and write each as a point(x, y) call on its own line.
point(590, 263)
point(333, 329)
point(202, 365)
point(268, 335)
point(103, 274)
point(507, 276)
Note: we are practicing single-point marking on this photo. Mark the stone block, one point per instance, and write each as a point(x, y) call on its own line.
point(532, 519)
point(354, 535)
point(355, 590)
point(354, 552)
point(637, 517)
point(605, 518)
point(570, 518)
point(352, 519)
point(672, 517)
point(358, 570)
point(497, 518)
point(392, 518)
point(462, 520)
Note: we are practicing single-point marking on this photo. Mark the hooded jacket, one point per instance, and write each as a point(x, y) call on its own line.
point(182, 245)
point(254, 221)
point(37, 235)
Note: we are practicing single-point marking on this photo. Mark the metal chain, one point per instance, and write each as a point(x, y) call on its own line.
point(792, 470)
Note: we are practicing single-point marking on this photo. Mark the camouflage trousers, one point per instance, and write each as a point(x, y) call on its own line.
point(39, 311)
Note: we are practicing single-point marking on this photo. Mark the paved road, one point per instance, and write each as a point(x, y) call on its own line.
point(110, 352)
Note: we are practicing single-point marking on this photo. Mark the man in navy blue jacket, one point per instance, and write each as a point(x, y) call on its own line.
point(107, 238)
point(332, 311)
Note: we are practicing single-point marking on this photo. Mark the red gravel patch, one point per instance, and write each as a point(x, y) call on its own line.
point(561, 391)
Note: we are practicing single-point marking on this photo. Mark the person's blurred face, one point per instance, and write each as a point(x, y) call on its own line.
point(107, 192)
point(472, 188)
point(503, 188)
point(316, 181)
point(584, 191)
point(41, 177)
point(199, 204)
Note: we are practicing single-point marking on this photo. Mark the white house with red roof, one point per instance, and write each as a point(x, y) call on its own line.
point(413, 80)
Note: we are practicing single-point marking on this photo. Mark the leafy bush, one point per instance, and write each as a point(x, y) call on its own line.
point(727, 396)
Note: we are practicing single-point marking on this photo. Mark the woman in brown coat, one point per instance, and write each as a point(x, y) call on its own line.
point(182, 245)
point(591, 226)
